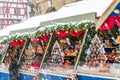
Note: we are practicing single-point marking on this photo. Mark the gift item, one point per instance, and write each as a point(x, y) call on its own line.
point(118, 40)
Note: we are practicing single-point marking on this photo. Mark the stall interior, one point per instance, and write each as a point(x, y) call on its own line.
point(14, 51)
point(33, 54)
point(64, 49)
point(103, 54)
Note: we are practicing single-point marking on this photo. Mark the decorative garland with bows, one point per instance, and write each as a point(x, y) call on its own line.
point(49, 29)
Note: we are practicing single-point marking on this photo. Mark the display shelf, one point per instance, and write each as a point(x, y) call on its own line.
point(13, 51)
point(33, 54)
point(62, 54)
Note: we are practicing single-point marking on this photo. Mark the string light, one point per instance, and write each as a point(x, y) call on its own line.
point(58, 32)
point(66, 31)
point(76, 31)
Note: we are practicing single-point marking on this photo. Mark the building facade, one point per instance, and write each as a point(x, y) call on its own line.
point(45, 6)
point(13, 11)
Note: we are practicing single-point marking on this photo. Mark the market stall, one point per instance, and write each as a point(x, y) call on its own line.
point(59, 49)
point(33, 53)
point(102, 54)
point(14, 50)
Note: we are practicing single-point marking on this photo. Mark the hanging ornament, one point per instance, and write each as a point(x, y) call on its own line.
point(68, 41)
point(30, 46)
point(76, 33)
point(62, 33)
point(45, 37)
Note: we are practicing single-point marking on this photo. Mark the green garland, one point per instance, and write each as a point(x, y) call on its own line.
point(50, 29)
point(90, 35)
point(109, 33)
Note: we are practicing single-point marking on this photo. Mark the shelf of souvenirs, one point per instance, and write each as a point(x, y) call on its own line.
point(110, 47)
point(117, 43)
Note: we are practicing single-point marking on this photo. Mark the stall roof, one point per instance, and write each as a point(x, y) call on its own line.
point(77, 8)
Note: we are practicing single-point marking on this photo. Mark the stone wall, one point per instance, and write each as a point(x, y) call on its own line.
point(46, 6)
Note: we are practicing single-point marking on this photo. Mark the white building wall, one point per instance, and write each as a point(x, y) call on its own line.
point(9, 15)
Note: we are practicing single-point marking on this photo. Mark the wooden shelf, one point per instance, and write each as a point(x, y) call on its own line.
point(109, 47)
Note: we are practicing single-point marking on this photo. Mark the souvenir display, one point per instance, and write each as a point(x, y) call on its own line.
point(100, 56)
point(33, 55)
point(13, 52)
point(64, 51)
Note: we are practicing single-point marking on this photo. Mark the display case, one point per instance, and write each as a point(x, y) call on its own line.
point(101, 55)
point(14, 50)
point(63, 52)
point(33, 53)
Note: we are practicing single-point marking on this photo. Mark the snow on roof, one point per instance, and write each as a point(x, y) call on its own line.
point(83, 7)
point(29, 23)
point(35, 21)
point(4, 32)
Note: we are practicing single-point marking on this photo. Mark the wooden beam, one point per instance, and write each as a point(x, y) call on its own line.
point(42, 62)
point(21, 53)
point(79, 54)
point(104, 17)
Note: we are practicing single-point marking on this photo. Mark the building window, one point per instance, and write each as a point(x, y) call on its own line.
point(1, 10)
point(16, 11)
point(1, 27)
point(1, 22)
point(15, 22)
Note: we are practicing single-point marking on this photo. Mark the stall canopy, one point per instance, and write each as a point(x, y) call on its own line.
point(74, 9)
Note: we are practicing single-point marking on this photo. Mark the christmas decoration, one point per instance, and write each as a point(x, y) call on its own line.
point(110, 22)
point(49, 29)
point(90, 34)
point(56, 54)
point(17, 43)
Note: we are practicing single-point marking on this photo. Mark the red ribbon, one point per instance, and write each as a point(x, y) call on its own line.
point(76, 33)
